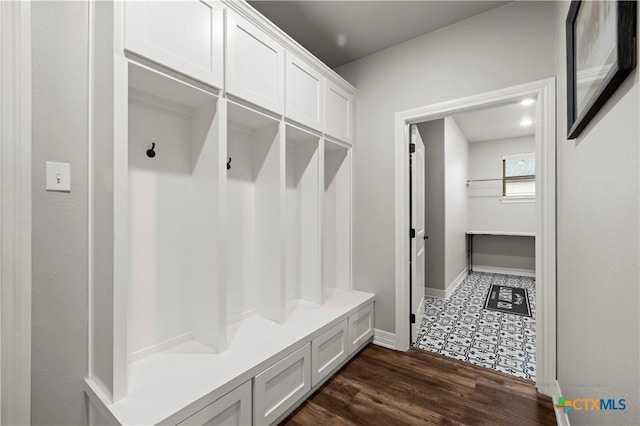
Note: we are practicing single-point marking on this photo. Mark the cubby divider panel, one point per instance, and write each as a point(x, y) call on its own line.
point(174, 290)
point(336, 226)
point(303, 247)
point(255, 202)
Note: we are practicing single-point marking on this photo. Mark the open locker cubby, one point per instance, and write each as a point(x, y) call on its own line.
point(174, 288)
point(219, 233)
point(336, 223)
point(303, 246)
point(255, 222)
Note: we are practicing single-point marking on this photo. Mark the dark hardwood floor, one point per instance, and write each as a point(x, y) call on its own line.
point(385, 387)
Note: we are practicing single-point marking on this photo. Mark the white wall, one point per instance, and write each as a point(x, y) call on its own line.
point(456, 157)
point(598, 205)
point(59, 250)
point(486, 211)
point(506, 46)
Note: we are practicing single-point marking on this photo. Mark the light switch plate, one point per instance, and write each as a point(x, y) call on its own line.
point(58, 176)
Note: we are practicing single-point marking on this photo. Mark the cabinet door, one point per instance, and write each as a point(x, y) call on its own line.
point(185, 36)
point(328, 351)
point(232, 409)
point(338, 113)
point(304, 94)
point(255, 65)
point(360, 328)
point(279, 387)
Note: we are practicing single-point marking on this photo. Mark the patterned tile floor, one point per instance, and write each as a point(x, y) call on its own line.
point(460, 328)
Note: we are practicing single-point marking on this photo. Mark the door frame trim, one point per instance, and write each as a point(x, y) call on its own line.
point(545, 91)
point(15, 212)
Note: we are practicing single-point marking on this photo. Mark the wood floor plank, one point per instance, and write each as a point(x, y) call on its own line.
point(384, 387)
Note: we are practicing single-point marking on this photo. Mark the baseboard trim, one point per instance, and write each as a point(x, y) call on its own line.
point(159, 347)
point(444, 294)
point(420, 314)
point(384, 339)
point(434, 292)
point(561, 417)
point(506, 271)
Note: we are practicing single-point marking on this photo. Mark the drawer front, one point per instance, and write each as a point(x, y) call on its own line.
point(279, 387)
point(328, 351)
point(233, 409)
point(255, 65)
point(338, 113)
point(185, 36)
point(360, 328)
point(304, 94)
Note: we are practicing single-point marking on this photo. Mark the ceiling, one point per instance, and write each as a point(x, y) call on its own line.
point(338, 32)
point(497, 122)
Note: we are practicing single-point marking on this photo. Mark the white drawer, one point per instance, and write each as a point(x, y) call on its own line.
point(328, 351)
point(280, 386)
point(186, 36)
point(360, 328)
point(233, 409)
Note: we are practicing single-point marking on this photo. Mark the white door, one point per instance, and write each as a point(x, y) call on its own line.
point(417, 223)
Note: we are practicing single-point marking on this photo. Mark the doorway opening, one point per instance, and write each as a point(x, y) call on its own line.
point(457, 251)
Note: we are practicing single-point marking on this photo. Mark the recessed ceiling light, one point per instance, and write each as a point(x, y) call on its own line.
point(342, 40)
point(526, 122)
point(527, 102)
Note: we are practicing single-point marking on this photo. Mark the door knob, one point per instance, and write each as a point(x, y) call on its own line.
point(426, 237)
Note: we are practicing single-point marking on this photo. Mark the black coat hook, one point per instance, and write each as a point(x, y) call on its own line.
point(229, 163)
point(150, 152)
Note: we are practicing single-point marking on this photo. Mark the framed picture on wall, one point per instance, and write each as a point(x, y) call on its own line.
point(600, 55)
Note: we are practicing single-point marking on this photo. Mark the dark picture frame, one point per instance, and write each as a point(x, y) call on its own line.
point(601, 43)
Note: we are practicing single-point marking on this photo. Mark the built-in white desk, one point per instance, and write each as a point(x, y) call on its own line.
point(471, 234)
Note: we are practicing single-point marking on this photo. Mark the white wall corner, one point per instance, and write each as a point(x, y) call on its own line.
point(384, 339)
point(455, 283)
point(561, 417)
point(434, 292)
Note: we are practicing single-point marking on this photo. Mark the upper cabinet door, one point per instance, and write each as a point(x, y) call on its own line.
point(338, 113)
point(255, 65)
point(305, 93)
point(185, 36)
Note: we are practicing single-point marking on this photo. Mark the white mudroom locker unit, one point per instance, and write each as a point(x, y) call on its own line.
point(220, 217)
